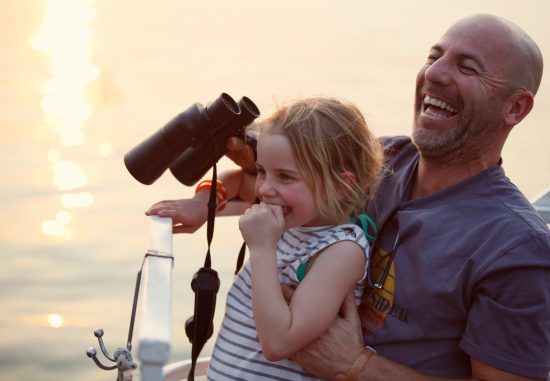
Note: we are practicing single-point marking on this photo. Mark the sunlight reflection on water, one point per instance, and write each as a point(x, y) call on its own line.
point(65, 36)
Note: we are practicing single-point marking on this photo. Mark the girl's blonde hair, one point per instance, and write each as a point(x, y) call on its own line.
point(330, 137)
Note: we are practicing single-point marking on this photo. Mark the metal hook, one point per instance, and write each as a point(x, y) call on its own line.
point(98, 332)
point(123, 356)
point(92, 353)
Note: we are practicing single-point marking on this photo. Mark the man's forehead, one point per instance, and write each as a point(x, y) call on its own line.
point(481, 41)
point(478, 32)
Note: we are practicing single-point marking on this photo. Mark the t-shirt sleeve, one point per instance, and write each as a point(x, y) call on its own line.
point(508, 326)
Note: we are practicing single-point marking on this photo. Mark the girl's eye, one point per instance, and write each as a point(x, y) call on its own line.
point(261, 172)
point(284, 176)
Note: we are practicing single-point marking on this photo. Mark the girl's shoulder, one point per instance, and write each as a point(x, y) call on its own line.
point(351, 232)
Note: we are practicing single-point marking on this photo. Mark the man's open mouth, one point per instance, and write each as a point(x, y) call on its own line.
point(437, 108)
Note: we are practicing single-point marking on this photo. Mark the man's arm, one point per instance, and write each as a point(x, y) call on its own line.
point(332, 355)
point(379, 368)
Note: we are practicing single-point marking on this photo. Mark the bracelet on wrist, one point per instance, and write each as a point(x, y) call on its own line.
point(221, 192)
point(359, 363)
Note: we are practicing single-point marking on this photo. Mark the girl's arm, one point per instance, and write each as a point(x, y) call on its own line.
point(284, 329)
point(188, 215)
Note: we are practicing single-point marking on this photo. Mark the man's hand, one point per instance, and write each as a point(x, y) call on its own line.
point(332, 354)
point(241, 154)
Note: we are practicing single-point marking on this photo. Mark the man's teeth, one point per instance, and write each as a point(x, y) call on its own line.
point(437, 103)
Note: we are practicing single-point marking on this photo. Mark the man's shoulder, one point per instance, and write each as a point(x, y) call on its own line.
point(399, 151)
point(514, 203)
point(395, 143)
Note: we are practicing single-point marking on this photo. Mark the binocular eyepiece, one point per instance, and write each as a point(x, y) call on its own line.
point(192, 142)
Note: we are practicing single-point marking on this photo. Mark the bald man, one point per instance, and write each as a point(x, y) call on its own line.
point(468, 287)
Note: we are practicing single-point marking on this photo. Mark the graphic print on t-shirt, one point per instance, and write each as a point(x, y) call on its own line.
point(378, 303)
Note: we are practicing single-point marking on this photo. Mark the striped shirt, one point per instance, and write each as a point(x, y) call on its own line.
point(237, 354)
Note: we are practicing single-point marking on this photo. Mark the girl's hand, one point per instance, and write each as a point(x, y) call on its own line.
point(262, 225)
point(188, 215)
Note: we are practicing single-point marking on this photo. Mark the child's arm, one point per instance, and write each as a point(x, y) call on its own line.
point(284, 329)
point(188, 215)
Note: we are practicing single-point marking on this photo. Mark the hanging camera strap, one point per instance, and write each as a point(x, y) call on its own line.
point(253, 143)
point(205, 285)
point(242, 251)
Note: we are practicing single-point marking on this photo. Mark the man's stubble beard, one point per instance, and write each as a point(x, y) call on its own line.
point(456, 145)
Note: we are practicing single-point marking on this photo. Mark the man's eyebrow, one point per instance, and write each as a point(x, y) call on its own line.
point(436, 48)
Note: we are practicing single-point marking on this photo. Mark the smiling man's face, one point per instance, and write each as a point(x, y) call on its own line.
point(461, 92)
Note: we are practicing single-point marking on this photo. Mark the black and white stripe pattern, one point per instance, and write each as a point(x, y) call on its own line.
point(237, 353)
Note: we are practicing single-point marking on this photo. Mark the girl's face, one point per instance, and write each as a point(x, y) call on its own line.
point(280, 182)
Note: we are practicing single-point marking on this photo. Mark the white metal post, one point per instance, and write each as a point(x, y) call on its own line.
point(155, 307)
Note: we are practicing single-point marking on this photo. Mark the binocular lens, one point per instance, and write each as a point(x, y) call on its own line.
point(248, 110)
point(222, 110)
point(149, 159)
point(191, 165)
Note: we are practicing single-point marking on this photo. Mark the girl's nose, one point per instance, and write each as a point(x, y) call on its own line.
point(266, 188)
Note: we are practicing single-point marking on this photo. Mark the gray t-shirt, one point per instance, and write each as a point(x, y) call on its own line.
point(470, 274)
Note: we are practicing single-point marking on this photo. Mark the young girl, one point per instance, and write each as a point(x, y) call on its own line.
point(315, 160)
point(317, 163)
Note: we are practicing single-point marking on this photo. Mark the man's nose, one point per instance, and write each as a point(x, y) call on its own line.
point(438, 72)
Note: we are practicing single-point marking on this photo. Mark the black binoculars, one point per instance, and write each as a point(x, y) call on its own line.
point(192, 142)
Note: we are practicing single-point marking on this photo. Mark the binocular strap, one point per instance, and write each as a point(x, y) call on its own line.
point(242, 251)
point(200, 327)
point(205, 285)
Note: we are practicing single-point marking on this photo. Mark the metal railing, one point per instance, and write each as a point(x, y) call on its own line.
point(155, 306)
point(154, 329)
point(153, 302)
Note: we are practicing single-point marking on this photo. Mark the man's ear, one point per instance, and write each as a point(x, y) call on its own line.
point(519, 105)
